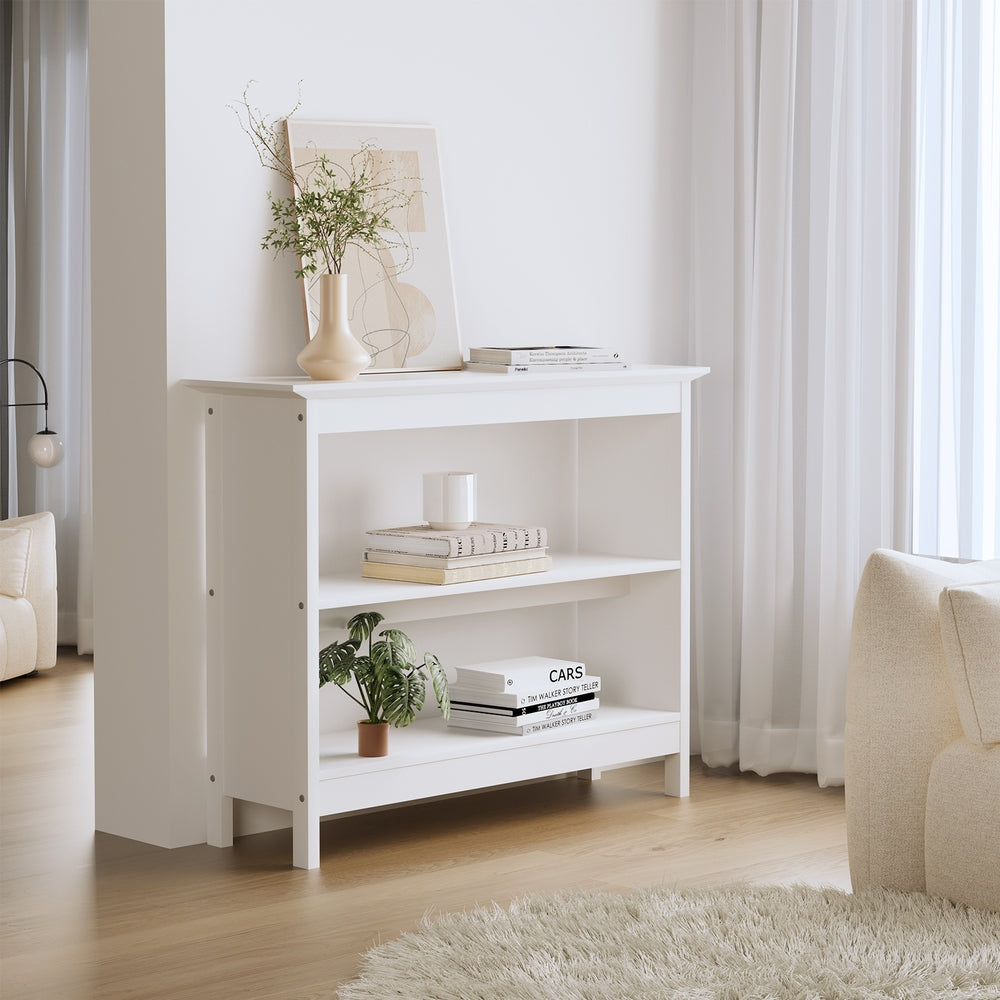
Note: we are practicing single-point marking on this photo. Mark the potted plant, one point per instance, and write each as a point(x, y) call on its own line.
point(391, 685)
point(330, 207)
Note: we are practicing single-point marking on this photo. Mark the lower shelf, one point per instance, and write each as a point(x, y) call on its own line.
point(428, 758)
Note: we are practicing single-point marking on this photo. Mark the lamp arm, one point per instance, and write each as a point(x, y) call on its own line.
point(45, 447)
point(45, 389)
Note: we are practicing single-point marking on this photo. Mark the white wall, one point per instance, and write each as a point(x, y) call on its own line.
point(560, 125)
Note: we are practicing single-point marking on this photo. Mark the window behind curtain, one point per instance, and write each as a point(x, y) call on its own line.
point(956, 480)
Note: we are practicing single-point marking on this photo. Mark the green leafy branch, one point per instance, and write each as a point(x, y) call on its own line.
point(391, 685)
point(331, 207)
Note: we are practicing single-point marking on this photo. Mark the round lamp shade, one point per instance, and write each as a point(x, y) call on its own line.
point(46, 449)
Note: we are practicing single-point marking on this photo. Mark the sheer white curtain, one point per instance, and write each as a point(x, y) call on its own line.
point(957, 360)
point(801, 180)
point(49, 281)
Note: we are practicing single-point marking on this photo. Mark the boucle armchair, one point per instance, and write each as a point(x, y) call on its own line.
point(28, 598)
point(922, 743)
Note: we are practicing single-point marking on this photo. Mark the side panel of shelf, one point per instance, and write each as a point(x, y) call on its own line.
point(634, 489)
point(262, 699)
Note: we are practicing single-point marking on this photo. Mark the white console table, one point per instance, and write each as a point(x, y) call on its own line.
point(297, 470)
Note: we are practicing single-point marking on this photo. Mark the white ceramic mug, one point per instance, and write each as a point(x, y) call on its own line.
point(449, 500)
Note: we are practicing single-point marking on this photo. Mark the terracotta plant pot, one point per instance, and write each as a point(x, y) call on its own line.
point(373, 739)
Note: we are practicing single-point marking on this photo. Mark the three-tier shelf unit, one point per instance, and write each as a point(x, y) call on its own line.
point(296, 471)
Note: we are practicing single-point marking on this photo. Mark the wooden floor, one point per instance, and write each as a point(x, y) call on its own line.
point(90, 915)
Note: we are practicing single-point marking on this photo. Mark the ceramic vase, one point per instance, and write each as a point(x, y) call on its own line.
point(373, 739)
point(333, 354)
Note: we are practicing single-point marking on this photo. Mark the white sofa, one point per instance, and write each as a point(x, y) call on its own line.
point(922, 750)
point(28, 597)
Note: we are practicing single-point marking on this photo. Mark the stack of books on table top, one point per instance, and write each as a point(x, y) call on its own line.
point(514, 360)
point(420, 554)
point(525, 695)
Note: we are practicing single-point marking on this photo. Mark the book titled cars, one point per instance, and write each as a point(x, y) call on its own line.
point(523, 696)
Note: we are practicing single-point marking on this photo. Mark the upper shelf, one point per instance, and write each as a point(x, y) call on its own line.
point(573, 578)
point(346, 591)
point(421, 383)
point(456, 398)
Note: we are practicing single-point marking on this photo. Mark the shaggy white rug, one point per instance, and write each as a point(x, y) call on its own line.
point(731, 943)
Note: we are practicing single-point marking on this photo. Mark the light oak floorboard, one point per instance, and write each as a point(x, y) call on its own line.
point(88, 915)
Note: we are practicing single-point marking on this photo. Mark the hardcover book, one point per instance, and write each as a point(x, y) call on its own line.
point(543, 726)
point(464, 574)
point(522, 696)
point(522, 671)
point(497, 368)
point(478, 539)
point(529, 355)
point(525, 712)
point(447, 562)
point(512, 722)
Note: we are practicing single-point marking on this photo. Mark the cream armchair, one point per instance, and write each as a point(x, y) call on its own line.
point(28, 599)
point(922, 767)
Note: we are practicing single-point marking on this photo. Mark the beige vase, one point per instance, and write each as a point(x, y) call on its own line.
point(373, 739)
point(333, 354)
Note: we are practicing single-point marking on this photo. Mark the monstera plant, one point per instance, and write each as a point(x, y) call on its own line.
point(391, 685)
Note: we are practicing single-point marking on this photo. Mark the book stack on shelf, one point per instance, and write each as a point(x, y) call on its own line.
point(420, 554)
point(522, 696)
point(514, 360)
